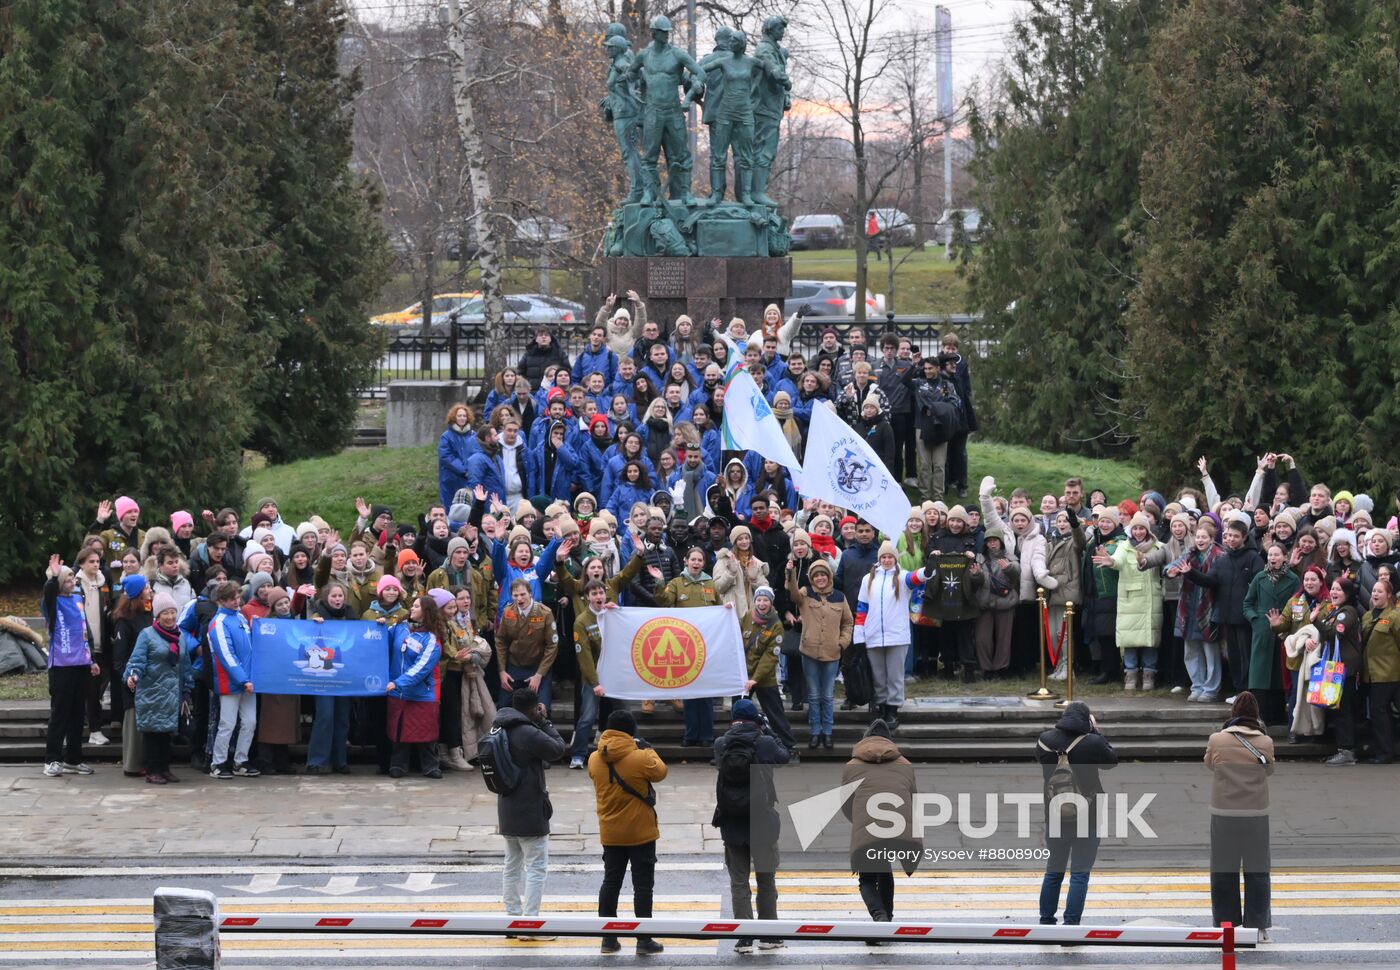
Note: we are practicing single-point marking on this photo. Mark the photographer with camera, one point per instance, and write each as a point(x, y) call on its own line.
point(745, 814)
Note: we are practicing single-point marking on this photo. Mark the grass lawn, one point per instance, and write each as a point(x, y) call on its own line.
point(924, 283)
point(405, 479)
point(24, 687)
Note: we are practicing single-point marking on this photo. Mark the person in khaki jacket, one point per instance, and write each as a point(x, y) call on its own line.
point(762, 630)
point(623, 770)
point(693, 587)
point(1380, 645)
point(826, 631)
point(1242, 756)
point(526, 644)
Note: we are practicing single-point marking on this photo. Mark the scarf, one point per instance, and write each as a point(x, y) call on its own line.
point(825, 545)
point(93, 591)
point(693, 503)
point(172, 640)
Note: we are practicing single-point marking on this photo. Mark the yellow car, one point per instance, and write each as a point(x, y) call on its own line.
point(443, 303)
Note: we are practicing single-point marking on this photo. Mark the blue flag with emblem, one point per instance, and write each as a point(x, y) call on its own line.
point(843, 469)
point(749, 425)
point(340, 658)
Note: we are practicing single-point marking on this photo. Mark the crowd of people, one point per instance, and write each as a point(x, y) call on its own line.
point(602, 480)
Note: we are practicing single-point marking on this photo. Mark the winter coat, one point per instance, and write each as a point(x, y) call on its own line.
point(762, 645)
point(1344, 625)
point(413, 660)
point(852, 568)
point(1241, 786)
point(882, 613)
point(767, 750)
point(454, 449)
point(1380, 635)
point(1307, 718)
point(478, 703)
point(1100, 585)
point(878, 767)
point(879, 436)
point(232, 646)
point(735, 583)
point(1030, 550)
point(1089, 756)
point(1230, 577)
point(1007, 577)
point(565, 469)
point(827, 625)
point(602, 361)
point(1267, 592)
point(1139, 615)
point(1169, 551)
point(163, 680)
point(624, 819)
point(525, 812)
point(686, 592)
point(527, 640)
point(489, 471)
point(537, 358)
point(1064, 561)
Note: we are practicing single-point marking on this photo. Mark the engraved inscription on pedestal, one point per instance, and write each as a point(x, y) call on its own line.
point(666, 278)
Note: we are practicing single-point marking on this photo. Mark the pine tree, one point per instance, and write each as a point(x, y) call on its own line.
point(325, 256)
point(49, 289)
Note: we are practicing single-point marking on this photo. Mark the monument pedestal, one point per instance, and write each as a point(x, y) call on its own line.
point(703, 287)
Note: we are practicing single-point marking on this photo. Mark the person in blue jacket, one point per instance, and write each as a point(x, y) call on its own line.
point(555, 463)
point(593, 449)
point(456, 445)
point(414, 650)
point(633, 486)
point(486, 469)
point(694, 480)
point(774, 478)
point(630, 447)
point(513, 558)
point(597, 357)
point(232, 647)
point(709, 435)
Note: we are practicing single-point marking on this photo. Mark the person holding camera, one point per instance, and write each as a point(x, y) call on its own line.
point(523, 816)
point(745, 814)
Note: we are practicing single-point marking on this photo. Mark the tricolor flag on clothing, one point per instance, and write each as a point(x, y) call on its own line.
point(673, 654)
point(749, 425)
point(843, 469)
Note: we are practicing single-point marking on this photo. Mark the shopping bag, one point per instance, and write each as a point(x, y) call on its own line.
point(1325, 678)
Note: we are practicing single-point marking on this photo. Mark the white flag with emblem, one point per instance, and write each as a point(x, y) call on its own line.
point(672, 654)
point(749, 425)
point(843, 469)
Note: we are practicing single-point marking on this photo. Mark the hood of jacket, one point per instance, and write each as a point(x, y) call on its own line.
point(875, 751)
point(613, 746)
point(1074, 721)
point(509, 717)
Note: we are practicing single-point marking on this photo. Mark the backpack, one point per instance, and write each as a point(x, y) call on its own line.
point(499, 769)
point(732, 792)
point(1063, 781)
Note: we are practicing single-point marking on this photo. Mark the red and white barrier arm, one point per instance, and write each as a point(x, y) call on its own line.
point(696, 929)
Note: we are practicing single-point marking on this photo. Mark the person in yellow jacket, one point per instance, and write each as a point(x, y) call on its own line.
point(1380, 634)
point(693, 587)
point(623, 770)
point(762, 630)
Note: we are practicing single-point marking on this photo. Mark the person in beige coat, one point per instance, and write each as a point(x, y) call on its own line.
point(1064, 561)
point(1303, 648)
point(1241, 755)
point(738, 572)
point(826, 627)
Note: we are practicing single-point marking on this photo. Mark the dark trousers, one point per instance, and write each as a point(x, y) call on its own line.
point(770, 701)
point(199, 726)
point(402, 750)
point(450, 710)
point(616, 859)
point(1235, 843)
point(1344, 718)
point(956, 476)
point(1237, 640)
point(1381, 696)
point(97, 718)
point(877, 892)
point(1105, 651)
point(960, 643)
point(1070, 853)
point(906, 459)
point(155, 749)
point(738, 860)
point(1025, 637)
point(699, 721)
point(1171, 663)
point(67, 698)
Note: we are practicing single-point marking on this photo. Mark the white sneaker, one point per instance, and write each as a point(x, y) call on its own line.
point(1178, 689)
point(98, 738)
point(1264, 937)
point(53, 769)
point(1232, 698)
point(77, 769)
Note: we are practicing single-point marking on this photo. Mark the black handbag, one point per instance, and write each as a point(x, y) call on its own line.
point(857, 675)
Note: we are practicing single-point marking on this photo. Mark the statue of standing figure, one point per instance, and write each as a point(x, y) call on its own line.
point(772, 97)
point(623, 108)
point(663, 69)
point(729, 111)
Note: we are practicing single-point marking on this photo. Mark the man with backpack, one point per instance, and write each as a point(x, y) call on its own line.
point(1071, 755)
point(938, 420)
point(623, 770)
point(746, 817)
point(512, 758)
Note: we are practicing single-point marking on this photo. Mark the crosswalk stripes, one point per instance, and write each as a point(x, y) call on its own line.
point(89, 930)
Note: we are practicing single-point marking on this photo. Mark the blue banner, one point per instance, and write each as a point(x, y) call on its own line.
point(342, 658)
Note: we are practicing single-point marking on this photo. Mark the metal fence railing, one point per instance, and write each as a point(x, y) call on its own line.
point(410, 355)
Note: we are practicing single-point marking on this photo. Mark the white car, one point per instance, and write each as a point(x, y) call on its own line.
point(874, 302)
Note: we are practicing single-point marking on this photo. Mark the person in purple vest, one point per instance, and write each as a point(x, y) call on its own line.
point(70, 669)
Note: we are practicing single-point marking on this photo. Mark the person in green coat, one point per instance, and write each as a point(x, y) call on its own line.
point(1268, 594)
point(160, 675)
point(1137, 627)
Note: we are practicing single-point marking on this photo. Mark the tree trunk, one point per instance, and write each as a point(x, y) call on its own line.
point(425, 361)
point(862, 216)
point(474, 149)
point(920, 214)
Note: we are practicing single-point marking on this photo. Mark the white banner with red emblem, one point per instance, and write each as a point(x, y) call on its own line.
point(671, 654)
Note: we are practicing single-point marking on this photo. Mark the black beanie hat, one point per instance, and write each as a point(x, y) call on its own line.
point(622, 721)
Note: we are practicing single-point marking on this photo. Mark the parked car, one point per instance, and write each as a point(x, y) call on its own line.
point(895, 225)
point(522, 309)
point(820, 231)
point(828, 299)
point(443, 304)
point(971, 222)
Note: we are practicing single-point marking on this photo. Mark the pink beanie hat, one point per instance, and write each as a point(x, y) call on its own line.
point(126, 504)
point(385, 582)
point(180, 519)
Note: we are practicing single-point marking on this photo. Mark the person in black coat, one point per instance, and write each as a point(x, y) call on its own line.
point(750, 835)
point(1089, 752)
point(877, 431)
point(1230, 577)
point(539, 355)
point(523, 815)
point(961, 375)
